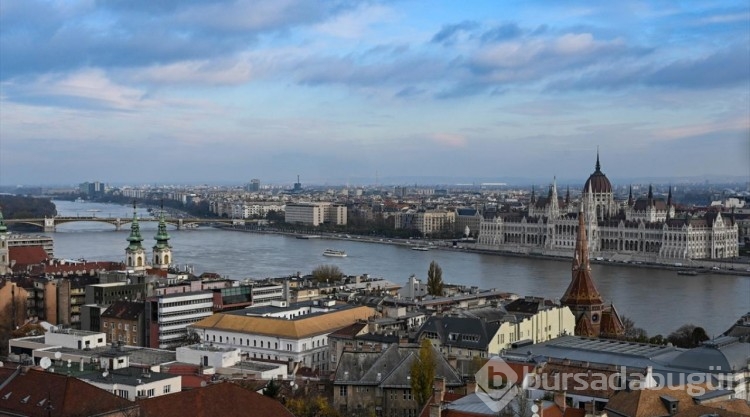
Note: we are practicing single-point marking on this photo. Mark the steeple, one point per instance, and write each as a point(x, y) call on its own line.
point(567, 196)
point(598, 165)
point(162, 255)
point(582, 297)
point(552, 204)
point(669, 196)
point(533, 195)
point(134, 253)
point(3, 227)
point(630, 196)
point(135, 237)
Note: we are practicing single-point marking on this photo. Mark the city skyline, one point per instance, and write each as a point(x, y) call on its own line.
point(228, 90)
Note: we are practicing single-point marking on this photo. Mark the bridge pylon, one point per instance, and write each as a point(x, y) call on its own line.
point(49, 224)
point(179, 224)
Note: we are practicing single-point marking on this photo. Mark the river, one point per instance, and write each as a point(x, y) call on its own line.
point(658, 301)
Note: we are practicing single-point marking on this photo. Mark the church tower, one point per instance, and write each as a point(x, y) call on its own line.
point(553, 205)
point(162, 250)
point(134, 253)
point(593, 317)
point(4, 251)
point(582, 297)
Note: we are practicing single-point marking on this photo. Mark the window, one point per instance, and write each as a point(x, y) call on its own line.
point(135, 328)
point(105, 324)
point(119, 325)
point(127, 327)
point(342, 391)
point(167, 389)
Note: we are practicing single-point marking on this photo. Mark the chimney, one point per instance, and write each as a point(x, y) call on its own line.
point(559, 399)
point(452, 361)
point(471, 386)
point(438, 388)
point(436, 410)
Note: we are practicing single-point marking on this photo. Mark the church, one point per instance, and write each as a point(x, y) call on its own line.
point(593, 317)
point(645, 229)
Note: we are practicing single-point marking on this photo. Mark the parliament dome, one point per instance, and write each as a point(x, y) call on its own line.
point(598, 181)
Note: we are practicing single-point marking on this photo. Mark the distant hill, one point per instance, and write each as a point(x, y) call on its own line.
point(19, 207)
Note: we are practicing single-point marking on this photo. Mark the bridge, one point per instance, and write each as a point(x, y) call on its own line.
point(49, 224)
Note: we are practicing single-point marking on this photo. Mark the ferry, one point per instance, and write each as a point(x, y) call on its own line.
point(687, 272)
point(334, 253)
point(422, 248)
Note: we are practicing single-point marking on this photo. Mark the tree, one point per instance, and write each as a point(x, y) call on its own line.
point(311, 407)
point(422, 373)
point(272, 389)
point(435, 279)
point(687, 336)
point(632, 333)
point(327, 273)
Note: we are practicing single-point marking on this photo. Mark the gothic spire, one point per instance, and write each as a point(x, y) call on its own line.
point(581, 290)
point(669, 196)
point(630, 196)
point(598, 165)
point(533, 196)
point(135, 237)
point(567, 196)
point(650, 195)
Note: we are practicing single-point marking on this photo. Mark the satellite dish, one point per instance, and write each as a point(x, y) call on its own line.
point(45, 362)
point(58, 355)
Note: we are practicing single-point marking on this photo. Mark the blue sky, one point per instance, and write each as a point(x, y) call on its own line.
point(187, 91)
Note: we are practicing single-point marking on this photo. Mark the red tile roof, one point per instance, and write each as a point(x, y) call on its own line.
point(31, 394)
point(27, 255)
point(223, 399)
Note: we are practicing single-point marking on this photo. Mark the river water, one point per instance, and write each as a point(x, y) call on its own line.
point(659, 301)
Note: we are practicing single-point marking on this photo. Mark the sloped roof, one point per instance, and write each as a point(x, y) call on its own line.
point(124, 310)
point(223, 399)
point(30, 394)
point(296, 329)
point(650, 403)
point(388, 369)
point(465, 332)
point(27, 255)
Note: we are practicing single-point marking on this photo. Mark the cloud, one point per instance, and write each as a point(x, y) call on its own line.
point(448, 33)
point(502, 33)
point(450, 140)
point(87, 88)
point(724, 68)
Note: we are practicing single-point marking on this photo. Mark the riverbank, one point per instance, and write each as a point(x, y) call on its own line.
point(699, 267)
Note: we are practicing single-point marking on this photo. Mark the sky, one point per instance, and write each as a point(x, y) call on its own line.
point(340, 91)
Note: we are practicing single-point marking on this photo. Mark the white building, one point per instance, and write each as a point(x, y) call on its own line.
point(296, 333)
point(169, 316)
point(316, 213)
point(646, 229)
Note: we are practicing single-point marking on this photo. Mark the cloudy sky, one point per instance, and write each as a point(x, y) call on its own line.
point(205, 91)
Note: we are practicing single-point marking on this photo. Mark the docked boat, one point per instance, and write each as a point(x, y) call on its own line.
point(422, 248)
point(334, 253)
point(687, 272)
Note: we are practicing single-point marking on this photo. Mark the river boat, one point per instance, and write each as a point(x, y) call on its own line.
point(334, 253)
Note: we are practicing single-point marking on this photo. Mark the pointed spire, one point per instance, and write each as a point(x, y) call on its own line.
point(567, 196)
point(533, 195)
point(3, 227)
point(135, 237)
point(598, 165)
point(581, 290)
point(650, 195)
point(669, 196)
point(162, 237)
point(630, 196)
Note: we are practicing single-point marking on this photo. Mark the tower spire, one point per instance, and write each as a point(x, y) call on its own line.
point(630, 196)
point(533, 196)
point(3, 227)
point(598, 165)
point(162, 250)
point(134, 253)
point(669, 196)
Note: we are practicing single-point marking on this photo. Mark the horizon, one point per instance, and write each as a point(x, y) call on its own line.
point(362, 91)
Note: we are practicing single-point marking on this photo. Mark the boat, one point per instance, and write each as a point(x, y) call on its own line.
point(687, 272)
point(191, 226)
point(308, 236)
point(422, 248)
point(334, 253)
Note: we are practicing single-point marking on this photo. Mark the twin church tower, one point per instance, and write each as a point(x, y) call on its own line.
point(135, 254)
